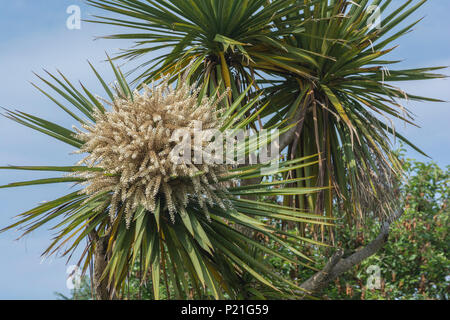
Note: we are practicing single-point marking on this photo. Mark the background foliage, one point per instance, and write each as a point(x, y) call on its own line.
point(316, 65)
point(415, 263)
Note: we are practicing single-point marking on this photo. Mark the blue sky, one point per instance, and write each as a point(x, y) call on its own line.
point(34, 36)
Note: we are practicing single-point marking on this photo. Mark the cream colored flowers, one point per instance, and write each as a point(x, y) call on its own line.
point(133, 144)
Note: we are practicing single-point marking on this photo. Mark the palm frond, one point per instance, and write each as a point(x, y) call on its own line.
point(203, 253)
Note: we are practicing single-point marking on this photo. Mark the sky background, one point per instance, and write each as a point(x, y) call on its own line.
point(33, 35)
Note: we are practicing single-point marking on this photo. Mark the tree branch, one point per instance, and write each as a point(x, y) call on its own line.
point(293, 133)
point(338, 265)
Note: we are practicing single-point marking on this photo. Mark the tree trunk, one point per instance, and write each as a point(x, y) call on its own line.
point(101, 289)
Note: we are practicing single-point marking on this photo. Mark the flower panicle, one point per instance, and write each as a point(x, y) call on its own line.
point(133, 144)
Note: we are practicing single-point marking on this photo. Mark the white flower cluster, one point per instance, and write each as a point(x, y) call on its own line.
point(133, 144)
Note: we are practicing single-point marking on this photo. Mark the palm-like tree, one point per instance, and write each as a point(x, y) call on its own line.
point(318, 64)
point(311, 68)
point(217, 259)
